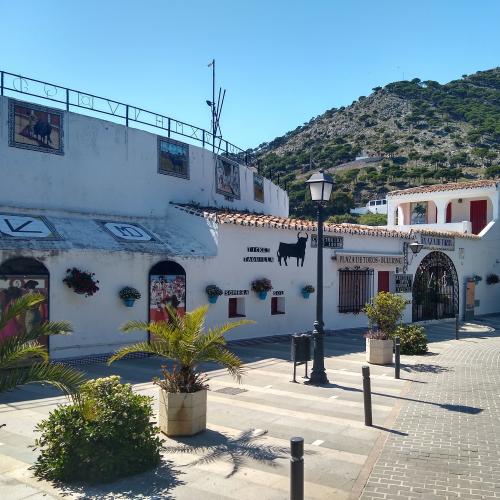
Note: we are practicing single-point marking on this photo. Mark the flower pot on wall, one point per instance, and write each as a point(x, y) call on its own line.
point(305, 295)
point(213, 299)
point(379, 352)
point(129, 302)
point(262, 295)
point(181, 413)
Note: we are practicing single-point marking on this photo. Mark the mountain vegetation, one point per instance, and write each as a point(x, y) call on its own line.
point(413, 132)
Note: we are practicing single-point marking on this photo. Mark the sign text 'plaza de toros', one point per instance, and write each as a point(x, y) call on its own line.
point(368, 259)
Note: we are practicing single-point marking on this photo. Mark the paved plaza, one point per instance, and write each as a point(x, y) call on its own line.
point(434, 434)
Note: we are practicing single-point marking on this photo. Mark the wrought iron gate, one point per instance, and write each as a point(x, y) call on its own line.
point(435, 288)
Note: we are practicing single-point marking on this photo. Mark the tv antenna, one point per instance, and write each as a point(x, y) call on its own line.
point(216, 108)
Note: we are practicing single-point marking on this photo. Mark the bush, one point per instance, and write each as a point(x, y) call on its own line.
point(308, 289)
point(213, 291)
point(105, 435)
point(385, 311)
point(129, 292)
point(413, 339)
point(492, 279)
point(261, 285)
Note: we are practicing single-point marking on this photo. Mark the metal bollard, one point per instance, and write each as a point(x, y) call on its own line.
point(367, 393)
point(297, 468)
point(457, 326)
point(397, 358)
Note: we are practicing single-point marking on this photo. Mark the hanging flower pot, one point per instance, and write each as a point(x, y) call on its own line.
point(307, 290)
point(81, 282)
point(129, 295)
point(213, 292)
point(261, 287)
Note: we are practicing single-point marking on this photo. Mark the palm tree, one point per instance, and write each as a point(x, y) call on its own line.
point(18, 351)
point(184, 340)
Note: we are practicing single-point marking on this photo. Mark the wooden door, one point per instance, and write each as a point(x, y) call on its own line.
point(383, 281)
point(478, 215)
point(448, 213)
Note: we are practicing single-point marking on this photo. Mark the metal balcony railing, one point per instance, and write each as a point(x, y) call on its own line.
point(69, 99)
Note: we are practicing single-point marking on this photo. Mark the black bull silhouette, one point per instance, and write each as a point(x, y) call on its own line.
point(297, 250)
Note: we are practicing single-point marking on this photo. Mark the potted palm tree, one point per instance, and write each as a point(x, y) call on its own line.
point(183, 388)
point(23, 360)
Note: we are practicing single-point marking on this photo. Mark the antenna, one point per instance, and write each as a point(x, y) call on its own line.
point(216, 109)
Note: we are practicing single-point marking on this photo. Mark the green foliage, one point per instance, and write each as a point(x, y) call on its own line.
point(23, 360)
point(413, 339)
point(385, 311)
point(106, 435)
point(184, 340)
point(373, 219)
point(342, 219)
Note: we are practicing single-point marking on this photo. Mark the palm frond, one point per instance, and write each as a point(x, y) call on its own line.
point(65, 378)
point(20, 306)
point(151, 348)
point(51, 328)
point(12, 352)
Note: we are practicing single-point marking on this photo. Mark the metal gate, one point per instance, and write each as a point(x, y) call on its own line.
point(435, 288)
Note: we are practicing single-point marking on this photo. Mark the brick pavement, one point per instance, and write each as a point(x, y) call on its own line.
point(447, 439)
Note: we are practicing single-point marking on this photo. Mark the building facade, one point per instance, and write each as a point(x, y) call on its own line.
point(168, 218)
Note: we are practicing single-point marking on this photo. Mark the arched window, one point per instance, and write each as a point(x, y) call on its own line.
point(167, 285)
point(19, 276)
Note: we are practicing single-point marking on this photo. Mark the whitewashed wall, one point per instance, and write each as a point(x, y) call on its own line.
point(96, 319)
point(111, 169)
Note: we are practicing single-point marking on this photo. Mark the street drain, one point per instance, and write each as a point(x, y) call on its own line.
point(231, 390)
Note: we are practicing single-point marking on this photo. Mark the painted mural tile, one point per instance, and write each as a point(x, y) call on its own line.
point(258, 188)
point(227, 178)
point(35, 127)
point(27, 227)
point(173, 158)
point(126, 231)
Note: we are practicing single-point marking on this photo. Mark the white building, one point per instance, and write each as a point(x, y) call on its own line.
point(168, 218)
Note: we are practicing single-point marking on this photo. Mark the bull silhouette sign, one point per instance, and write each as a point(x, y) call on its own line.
point(296, 250)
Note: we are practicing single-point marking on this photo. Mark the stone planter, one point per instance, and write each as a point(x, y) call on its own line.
point(379, 352)
point(182, 414)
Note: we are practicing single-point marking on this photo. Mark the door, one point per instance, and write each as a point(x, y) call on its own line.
point(383, 281)
point(478, 215)
point(448, 213)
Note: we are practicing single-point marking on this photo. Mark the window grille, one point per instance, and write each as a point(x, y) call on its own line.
point(355, 289)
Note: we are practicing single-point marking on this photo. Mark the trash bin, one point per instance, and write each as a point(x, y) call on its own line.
point(301, 348)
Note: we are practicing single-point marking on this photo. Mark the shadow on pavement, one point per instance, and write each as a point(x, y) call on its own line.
point(215, 446)
point(157, 483)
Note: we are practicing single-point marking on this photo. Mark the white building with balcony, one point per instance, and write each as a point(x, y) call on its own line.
point(463, 207)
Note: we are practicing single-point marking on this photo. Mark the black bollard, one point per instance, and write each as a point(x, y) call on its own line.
point(367, 393)
point(397, 359)
point(457, 326)
point(297, 468)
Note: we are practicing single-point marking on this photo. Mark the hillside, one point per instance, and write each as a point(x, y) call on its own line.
point(421, 132)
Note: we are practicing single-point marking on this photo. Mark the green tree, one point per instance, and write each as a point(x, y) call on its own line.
point(18, 352)
point(183, 339)
point(373, 219)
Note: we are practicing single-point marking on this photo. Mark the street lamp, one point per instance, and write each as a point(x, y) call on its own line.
point(320, 185)
point(415, 248)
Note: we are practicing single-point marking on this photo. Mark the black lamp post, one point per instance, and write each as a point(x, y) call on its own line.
point(321, 185)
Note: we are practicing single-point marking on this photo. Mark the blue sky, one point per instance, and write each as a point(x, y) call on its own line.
point(282, 62)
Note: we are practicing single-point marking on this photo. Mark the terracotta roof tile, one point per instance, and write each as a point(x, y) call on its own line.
point(223, 216)
point(450, 186)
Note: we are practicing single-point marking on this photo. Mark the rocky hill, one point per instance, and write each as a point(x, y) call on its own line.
point(416, 131)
